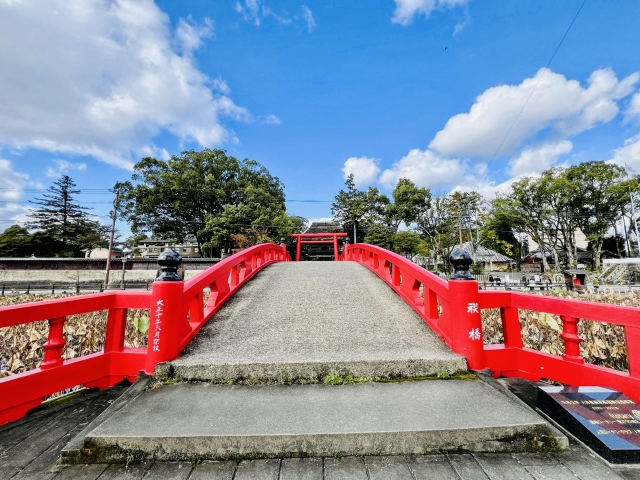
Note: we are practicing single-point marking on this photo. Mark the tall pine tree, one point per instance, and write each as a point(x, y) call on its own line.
point(63, 221)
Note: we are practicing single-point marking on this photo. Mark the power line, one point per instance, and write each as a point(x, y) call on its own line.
point(534, 88)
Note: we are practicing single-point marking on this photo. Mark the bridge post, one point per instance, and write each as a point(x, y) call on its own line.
point(165, 314)
point(283, 245)
point(466, 321)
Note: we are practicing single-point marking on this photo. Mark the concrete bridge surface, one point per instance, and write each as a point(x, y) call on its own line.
point(312, 370)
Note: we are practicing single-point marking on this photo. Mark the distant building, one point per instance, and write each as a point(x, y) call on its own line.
point(491, 260)
point(102, 253)
point(152, 247)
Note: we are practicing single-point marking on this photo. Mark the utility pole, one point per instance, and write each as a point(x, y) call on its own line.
point(113, 230)
point(626, 234)
point(633, 216)
point(460, 222)
point(635, 223)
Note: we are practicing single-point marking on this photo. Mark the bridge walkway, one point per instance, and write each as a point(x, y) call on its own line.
point(304, 320)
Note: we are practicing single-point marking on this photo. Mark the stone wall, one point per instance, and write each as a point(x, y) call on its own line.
point(88, 271)
point(96, 264)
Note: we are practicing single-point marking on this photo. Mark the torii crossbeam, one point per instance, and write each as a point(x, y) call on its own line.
point(315, 238)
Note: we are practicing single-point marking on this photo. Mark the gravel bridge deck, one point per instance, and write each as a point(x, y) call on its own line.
point(307, 319)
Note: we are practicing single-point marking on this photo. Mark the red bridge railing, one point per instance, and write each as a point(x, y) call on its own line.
point(453, 310)
point(177, 312)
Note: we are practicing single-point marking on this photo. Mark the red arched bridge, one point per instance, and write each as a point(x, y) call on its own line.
point(177, 313)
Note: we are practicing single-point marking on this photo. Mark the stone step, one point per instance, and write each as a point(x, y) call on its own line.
point(193, 421)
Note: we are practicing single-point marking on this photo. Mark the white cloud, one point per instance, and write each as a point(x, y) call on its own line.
point(364, 169)
point(63, 166)
point(103, 78)
point(406, 10)
point(12, 186)
point(221, 86)
point(484, 186)
point(267, 12)
point(308, 17)
point(12, 183)
point(629, 154)
point(426, 169)
point(249, 11)
point(253, 11)
point(534, 160)
point(633, 112)
point(272, 120)
point(558, 104)
point(190, 35)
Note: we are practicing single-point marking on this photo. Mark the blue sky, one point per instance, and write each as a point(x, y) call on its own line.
point(425, 89)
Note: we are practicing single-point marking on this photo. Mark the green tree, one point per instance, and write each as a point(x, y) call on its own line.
point(134, 240)
point(409, 203)
point(16, 241)
point(206, 194)
point(526, 208)
point(407, 242)
point(350, 207)
point(381, 235)
point(438, 226)
point(64, 226)
point(600, 191)
point(94, 237)
point(497, 234)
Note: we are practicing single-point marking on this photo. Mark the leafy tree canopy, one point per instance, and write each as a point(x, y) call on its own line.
point(206, 194)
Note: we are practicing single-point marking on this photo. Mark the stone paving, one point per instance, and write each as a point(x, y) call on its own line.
point(307, 319)
point(29, 449)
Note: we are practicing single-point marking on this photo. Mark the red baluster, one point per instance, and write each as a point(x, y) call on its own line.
point(511, 327)
point(571, 339)
point(632, 336)
point(55, 344)
point(116, 328)
point(234, 276)
point(395, 276)
point(196, 309)
point(431, 304)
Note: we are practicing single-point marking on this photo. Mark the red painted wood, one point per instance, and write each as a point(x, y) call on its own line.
point(54, 345)
point(571, 339)
point(116, 328)
point(510, 358)
point(172, 300)
point(304, 238)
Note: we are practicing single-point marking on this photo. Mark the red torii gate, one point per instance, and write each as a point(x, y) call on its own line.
point(300, 239)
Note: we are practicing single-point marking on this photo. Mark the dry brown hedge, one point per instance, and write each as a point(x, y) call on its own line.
point(603, 343)
point(21, 346)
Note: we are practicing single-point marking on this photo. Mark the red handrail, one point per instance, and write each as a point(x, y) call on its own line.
point(181, 309)
point(460, 326)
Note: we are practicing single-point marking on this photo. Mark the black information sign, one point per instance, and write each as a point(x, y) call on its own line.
point(606, 420)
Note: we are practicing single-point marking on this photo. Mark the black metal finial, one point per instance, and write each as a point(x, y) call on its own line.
point(461, 261)
point(282, 240)
point(169, 261)
point(347, 240)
